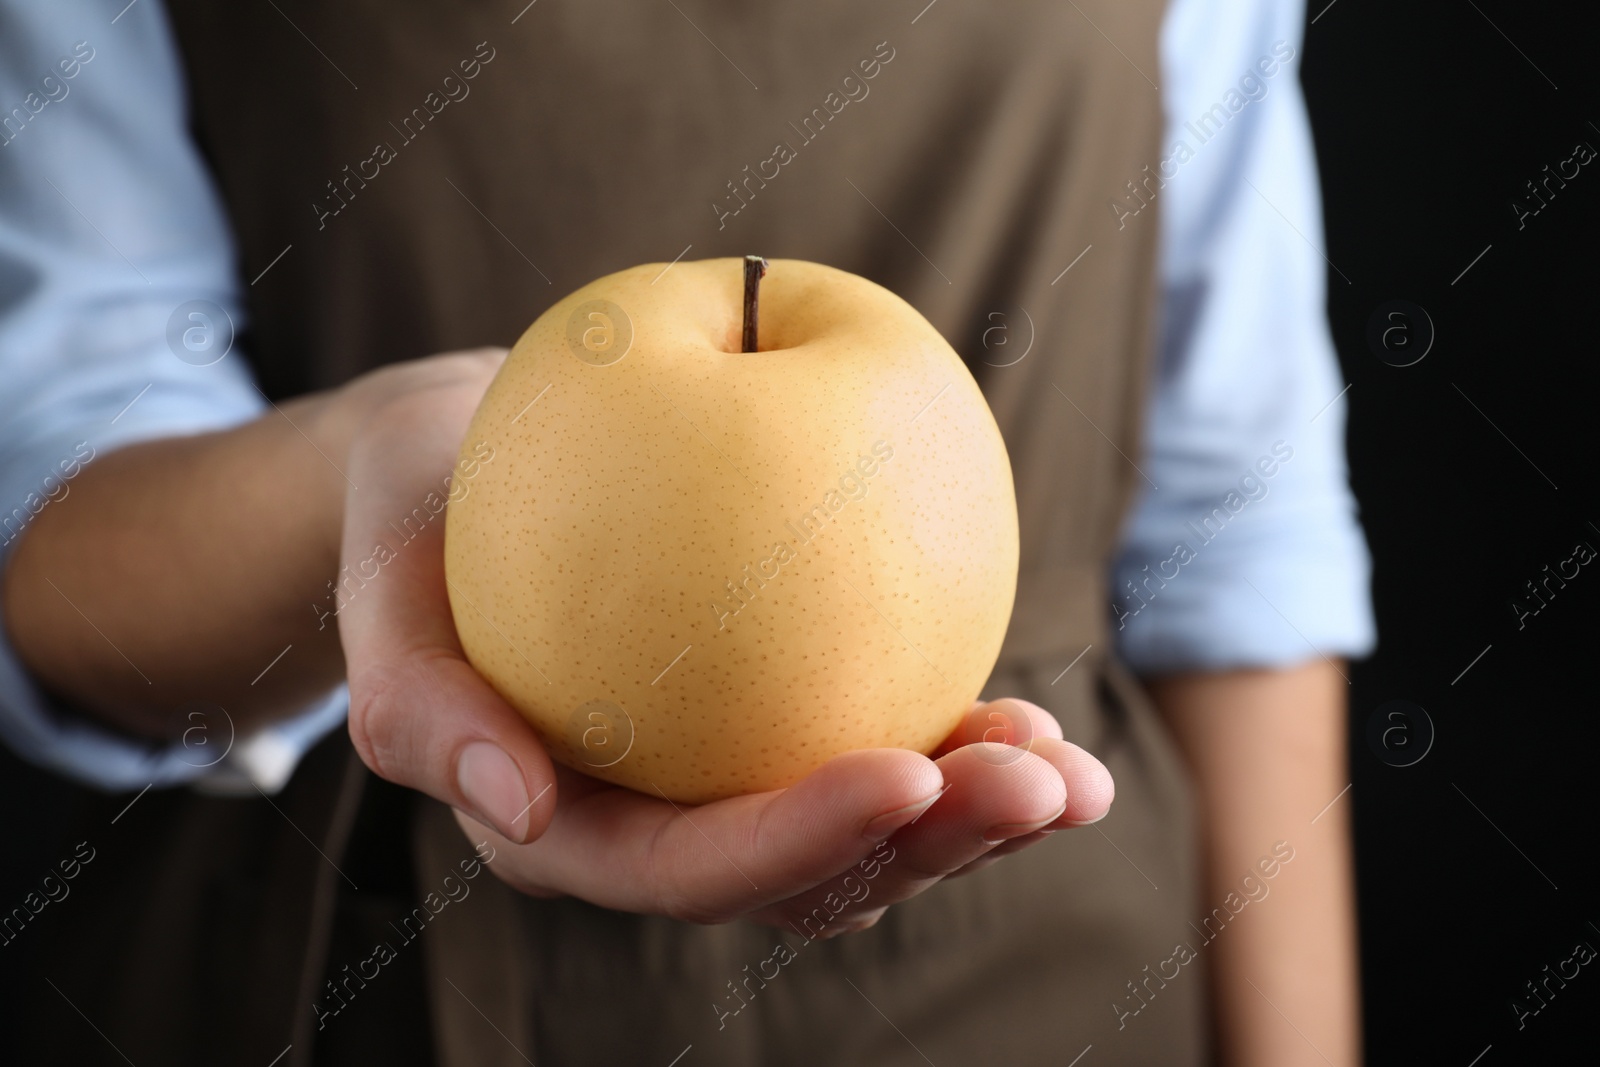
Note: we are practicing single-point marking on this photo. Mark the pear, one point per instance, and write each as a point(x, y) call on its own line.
point(700, 571)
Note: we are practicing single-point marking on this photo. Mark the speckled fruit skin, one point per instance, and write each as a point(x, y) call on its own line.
point(601, 553)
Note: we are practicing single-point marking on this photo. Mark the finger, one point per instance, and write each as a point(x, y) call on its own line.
point(987, 800)
point(1087, 801)
point(1000, 852)
point(1007, 721)
point(1090, 788)
point(621, 849)
point(850, 924)
point(419, 714)
point(1090, 794)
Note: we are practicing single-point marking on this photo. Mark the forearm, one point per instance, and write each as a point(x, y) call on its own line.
point(175, 570)
point(1268, 753)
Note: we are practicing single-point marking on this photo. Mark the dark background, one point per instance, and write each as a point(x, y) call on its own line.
point(1428, 123)
point(1475, 861)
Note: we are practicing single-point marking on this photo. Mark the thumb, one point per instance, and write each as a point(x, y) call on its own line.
point(428, 721)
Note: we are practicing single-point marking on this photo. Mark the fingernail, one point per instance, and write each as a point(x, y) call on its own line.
point(493, 784)
point(1087, 822)
point(890, 821)
point(1006, 831)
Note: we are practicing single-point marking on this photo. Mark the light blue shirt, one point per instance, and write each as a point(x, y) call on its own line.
point(109, 220)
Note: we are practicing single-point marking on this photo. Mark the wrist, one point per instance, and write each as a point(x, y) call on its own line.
point(327, 422)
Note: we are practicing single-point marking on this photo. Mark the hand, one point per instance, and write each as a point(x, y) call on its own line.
point(421, 716)
point(775, 857)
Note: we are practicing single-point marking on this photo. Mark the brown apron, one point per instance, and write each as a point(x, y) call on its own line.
point(433, 177)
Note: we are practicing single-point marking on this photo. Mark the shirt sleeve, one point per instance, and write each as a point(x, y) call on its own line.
point(1248, 552)
point(118, 307)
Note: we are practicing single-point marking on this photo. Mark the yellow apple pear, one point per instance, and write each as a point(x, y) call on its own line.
point(700, 571)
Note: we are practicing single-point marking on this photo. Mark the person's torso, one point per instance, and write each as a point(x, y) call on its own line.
point(409, 178)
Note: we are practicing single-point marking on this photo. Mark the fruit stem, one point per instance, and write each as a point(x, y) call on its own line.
point(754, 268)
